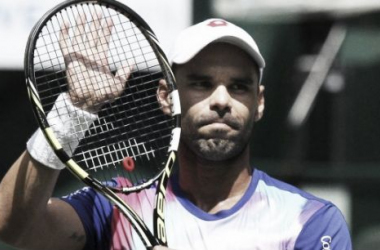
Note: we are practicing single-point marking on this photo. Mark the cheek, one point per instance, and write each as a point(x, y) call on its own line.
point(191, 105)
point(245, 112)
point(190, 112)
point(185, 101)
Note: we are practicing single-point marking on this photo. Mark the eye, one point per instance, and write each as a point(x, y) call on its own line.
point(201, 85)
point(239, 87)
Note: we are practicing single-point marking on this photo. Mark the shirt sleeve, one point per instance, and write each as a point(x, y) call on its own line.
point(326, 230)
point(95, 212)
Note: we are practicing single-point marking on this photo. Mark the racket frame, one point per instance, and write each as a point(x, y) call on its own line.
point(148, 239)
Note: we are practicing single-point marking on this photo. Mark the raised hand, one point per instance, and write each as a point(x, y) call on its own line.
point(91, 82)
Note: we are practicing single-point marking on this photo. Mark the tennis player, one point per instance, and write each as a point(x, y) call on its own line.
point(216, 199)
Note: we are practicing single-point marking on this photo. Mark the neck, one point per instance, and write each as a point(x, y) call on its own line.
point(214, 185)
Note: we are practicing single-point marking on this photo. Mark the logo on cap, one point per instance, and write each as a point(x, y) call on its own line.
point(217, 23)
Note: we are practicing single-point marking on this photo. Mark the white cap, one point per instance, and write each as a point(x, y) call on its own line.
point(193, 39)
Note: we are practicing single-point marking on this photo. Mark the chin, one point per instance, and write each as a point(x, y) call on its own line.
point(217, 149)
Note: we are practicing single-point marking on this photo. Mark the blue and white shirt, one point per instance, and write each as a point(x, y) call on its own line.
point(272, 215)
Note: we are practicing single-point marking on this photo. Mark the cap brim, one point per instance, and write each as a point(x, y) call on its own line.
point(188, 52)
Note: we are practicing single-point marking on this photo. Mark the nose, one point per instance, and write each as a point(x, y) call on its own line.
point(220, 100)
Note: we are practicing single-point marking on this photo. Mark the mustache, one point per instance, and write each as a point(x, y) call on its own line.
point(215, 118)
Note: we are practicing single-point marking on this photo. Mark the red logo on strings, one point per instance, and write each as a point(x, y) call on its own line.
point(217, 23)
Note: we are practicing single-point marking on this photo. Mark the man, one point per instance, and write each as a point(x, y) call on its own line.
point(217, 200)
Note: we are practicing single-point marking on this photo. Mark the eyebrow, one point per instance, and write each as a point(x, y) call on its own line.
point(248, 81)
point(243, 80)
point(198, 77)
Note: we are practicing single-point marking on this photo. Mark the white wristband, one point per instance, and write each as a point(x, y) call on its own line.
point(69, 124)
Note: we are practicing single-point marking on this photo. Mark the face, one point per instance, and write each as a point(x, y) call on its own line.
point(220, 101)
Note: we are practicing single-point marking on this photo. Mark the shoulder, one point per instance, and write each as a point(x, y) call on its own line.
point(321, 223)
point(277, 189)
point(326, 229)
point(291, 206)
point(95, 213)
point(87, 195)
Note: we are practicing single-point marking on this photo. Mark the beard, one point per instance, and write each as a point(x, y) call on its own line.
point(217, 145)
point(218, 149)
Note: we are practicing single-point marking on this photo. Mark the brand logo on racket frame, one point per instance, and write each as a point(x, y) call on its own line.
point(160, 230)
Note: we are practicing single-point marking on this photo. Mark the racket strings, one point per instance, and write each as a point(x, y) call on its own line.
point(133, 124)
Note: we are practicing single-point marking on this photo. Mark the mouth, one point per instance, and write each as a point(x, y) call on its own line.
point(220, 124)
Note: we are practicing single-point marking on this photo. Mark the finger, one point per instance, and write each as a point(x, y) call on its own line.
point(64, 39)
point(79, 31)
point(123, 73)
point(94, 28)
point(105, 37)
point(121, 78)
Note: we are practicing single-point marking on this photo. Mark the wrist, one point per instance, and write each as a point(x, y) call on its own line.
point(69, 124)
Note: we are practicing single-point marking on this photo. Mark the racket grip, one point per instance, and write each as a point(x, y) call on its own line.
point(68, 123)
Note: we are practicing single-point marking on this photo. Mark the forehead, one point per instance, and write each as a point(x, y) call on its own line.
point(220, 56)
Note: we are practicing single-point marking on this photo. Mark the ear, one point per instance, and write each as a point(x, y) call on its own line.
point(163, 97)
point(260, 104)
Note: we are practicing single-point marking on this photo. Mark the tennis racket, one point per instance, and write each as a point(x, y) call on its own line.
point(106, 60)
